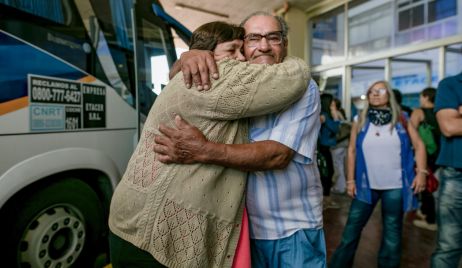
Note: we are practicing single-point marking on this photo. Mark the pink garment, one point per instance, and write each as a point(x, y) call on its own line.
point(242, 256)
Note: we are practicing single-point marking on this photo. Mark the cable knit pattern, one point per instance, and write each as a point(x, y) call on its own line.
point(189, 215)
point(193, 236)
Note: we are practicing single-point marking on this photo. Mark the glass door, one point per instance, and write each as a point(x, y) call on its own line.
point(411, 73)
point(331, 82)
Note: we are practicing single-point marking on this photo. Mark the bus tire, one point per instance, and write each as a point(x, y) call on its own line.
point(59, 225)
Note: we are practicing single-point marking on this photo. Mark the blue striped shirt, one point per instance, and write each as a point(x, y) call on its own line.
point(281, 202)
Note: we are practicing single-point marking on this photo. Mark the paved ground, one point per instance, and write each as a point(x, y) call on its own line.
point(418, 244)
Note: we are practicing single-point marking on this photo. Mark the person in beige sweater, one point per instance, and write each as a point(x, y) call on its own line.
point(190, 215)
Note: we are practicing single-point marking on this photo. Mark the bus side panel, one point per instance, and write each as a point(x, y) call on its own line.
point(34, 65)
point(38, 163)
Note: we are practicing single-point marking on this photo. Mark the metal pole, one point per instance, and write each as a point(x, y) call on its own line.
point(442, 63)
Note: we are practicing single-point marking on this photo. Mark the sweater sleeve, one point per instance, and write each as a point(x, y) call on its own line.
point(247, 90)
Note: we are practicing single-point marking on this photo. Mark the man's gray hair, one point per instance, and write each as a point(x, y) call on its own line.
point(280, 20)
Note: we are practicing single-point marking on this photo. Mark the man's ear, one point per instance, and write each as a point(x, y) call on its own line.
point(285, 48)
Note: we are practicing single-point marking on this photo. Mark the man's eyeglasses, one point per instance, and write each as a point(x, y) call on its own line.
point(380, 91)
point(273, 38)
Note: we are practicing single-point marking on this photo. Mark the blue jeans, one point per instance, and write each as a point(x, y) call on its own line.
point(448, 250)
point(392, 221)
point(305, 248)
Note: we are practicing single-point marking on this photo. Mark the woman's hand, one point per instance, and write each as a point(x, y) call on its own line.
point(351, 188)
point(419, 182)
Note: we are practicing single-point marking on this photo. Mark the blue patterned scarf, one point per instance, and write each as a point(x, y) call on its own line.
point(379, 117)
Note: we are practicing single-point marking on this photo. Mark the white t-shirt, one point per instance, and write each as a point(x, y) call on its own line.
point(382, 153)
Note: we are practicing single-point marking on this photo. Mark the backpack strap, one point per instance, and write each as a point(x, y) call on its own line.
point(403, 119)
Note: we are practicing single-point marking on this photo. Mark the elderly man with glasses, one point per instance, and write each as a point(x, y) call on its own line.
point(284, 193)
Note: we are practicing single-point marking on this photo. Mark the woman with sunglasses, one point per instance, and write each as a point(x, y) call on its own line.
point(381, 166)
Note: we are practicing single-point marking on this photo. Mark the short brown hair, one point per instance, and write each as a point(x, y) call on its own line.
point(430, 93)
point(207, 36)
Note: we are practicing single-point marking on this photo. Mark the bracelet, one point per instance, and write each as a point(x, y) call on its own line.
point(350, 181)
point(424, 171)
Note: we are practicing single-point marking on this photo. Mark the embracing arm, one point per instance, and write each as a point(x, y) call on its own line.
point(196, 66)
point(248, 90)
point(261, 155)
point(189, 146)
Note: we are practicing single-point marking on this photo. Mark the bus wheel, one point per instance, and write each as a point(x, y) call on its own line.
point(58, 226)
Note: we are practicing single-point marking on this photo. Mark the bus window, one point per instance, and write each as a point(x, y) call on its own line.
point(155, 54)
point(51, 9)
point(152, 65)
point(67, 41)
point(115, 23)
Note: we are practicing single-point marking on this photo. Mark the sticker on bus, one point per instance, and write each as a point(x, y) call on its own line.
point(59, 104)
point(46, 117)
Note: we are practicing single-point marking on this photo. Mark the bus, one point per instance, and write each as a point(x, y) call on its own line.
point(77, 80)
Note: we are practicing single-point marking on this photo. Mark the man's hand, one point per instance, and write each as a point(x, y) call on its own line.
point(186, 144)
point(196, 66)
point(182, 145)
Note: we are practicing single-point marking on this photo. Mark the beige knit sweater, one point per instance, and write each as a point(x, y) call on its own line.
point(190, 215)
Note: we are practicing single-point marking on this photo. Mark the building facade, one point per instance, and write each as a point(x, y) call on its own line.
point(410, 43)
